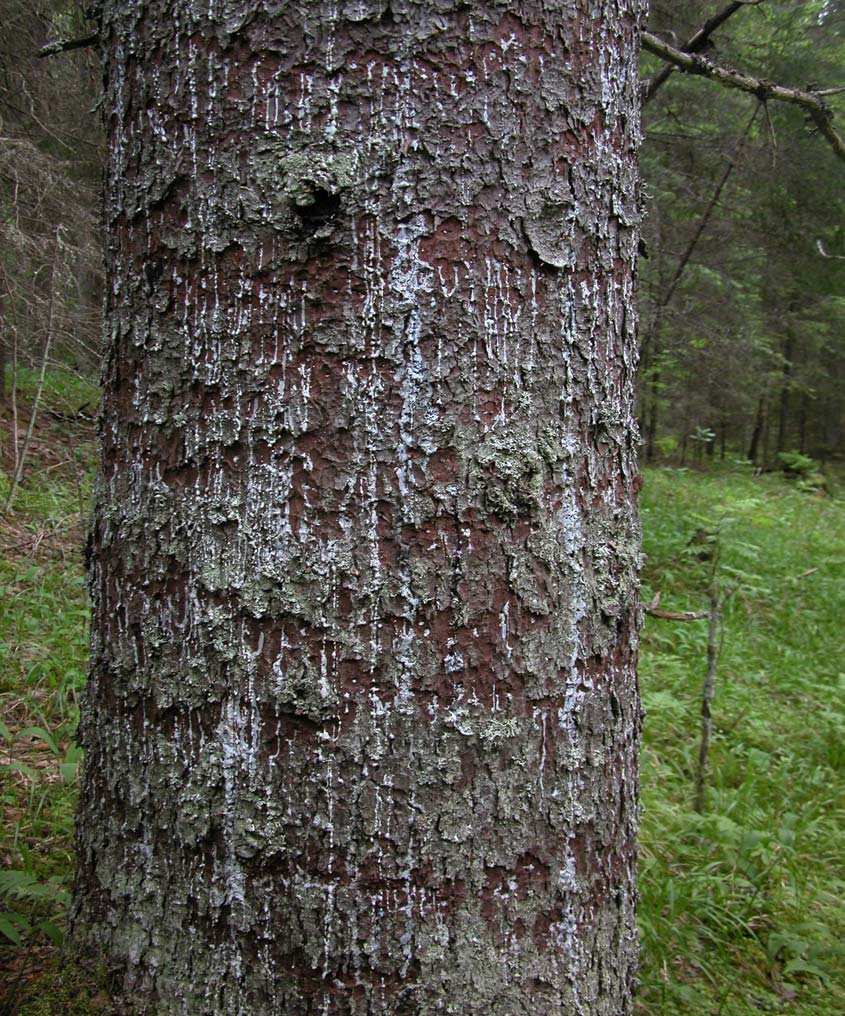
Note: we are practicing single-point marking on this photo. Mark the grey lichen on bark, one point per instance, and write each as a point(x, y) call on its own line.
point(362, 722)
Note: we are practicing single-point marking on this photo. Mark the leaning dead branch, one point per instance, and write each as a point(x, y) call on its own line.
point(715, 615)
point(66, 45)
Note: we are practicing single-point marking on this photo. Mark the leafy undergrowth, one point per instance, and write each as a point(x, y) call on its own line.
point(43, 649)
point(741, 906)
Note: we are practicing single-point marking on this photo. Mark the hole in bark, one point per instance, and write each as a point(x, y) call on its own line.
point(321, 209)
point(153, 271)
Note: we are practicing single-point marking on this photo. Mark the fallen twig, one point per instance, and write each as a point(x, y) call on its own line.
point(676, 615)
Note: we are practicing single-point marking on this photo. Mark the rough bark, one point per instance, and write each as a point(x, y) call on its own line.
point(362, 723)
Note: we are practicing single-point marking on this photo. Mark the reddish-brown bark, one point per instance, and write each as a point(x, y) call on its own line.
point(362, 724)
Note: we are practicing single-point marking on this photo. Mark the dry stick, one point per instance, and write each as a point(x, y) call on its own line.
point(709, 691)
point(695, 44)
point(811, 101)
point(677, 615)
point(708, 211)
point(65, 45)
point(707, 696)
point(654, 609)
point(51, 315)
point(713, 651)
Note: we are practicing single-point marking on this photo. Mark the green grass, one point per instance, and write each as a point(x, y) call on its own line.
point(43, 651)
point(741, 906)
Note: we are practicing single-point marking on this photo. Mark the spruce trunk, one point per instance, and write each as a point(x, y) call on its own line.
point(362, 724)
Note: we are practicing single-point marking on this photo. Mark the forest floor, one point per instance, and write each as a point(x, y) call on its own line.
point(741, 907)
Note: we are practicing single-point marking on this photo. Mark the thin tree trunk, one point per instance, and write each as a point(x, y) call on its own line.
point(653, 416)
point(655, 341)
point(362, 723)
point(707, 697)
point(757, 432)
point(802, 425)
point(784, 399)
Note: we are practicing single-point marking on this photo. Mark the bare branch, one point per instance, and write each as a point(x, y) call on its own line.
point(677, 615)
point(696, 43)
point(837, 257)
point(811, 101)
point(65, 45)
point(715, 614)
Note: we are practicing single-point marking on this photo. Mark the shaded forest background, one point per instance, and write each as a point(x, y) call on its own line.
point(51, 156)
point(742, 309)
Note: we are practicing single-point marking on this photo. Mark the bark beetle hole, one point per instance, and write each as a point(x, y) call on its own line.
point(323, 208)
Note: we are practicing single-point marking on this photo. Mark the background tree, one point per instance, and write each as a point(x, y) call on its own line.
point(362, 723)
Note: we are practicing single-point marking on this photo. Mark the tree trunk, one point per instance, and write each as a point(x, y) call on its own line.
point(787, 368)
point(757, 432)
point(783, 401)
point(362, 723)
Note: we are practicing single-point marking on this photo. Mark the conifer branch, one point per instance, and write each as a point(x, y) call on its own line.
point(695, 44)
point(811, 101)
point(65, 45)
